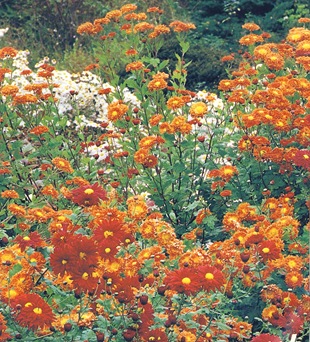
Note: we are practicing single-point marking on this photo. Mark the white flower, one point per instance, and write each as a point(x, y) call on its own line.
point(3, 31)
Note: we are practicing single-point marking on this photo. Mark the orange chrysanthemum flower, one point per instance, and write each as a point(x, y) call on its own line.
point(155, 119)
point(38, 130)
point(179, 26)
point(134, 66)
point(227, 58)
point(17, 210)
point(143, 26)
point(150, 141)
point(180, 124)
point(24, 99)
point(251, 27)
point(250, 39)
point(296, 34)
point(131, 52)
point(227, 85)
point(175, 102)
point(137, 207)
point(294, 279)
point(158, 30)
point(8, 52)
point(128, 8)
point(201, 215)
point(304, 20)
point(225, 193)
point(116, 110)
point(261, 51)
point(141, 155)
point(9, 194)
point(62, 165)
point(198, 109)
point(114, 14)
point(88, 28)
point(274, 61)
point(227, 172)
point(157, 84)
point(49, 190)
point(9, 90)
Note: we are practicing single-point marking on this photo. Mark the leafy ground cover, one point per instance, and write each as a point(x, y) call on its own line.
point(134, 209)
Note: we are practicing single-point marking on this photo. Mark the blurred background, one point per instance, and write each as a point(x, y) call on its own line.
point(48, 28)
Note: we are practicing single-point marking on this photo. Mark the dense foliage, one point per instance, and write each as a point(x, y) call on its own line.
point(48, 28)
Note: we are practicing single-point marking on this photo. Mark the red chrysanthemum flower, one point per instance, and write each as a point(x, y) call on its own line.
point(61, 260)
point(3, 335)
point(293, 324)
point(302, 158)
point(84, 251)
point(211, 278)
point(32, 311)
point(85, 278)
point(184, 280)
point(88, 195)
point(124, 289)
point(268, 250)
point(266, 338)
point(155, 335)
point(33, 240)
point(146, 316)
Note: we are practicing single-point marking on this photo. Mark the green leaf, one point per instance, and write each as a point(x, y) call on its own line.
point(16, 268)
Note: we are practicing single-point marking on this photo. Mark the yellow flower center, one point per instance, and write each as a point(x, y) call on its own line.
point(64, 261)
point(107, 250)
point(82, 255)
point(26, 238)
point(292, 263)
point(209, 276)
point(306, 156)
point(294, 279)
point(85, 276)
point(61, 218)
point(107, 233)
point(37, 311)
point(266, 250)
point(89, 191)
point(28, 304)
point(186, 281)
point(305, 46)
point(12, 293)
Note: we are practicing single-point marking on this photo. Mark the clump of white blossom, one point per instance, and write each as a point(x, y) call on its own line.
point(76, 93)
